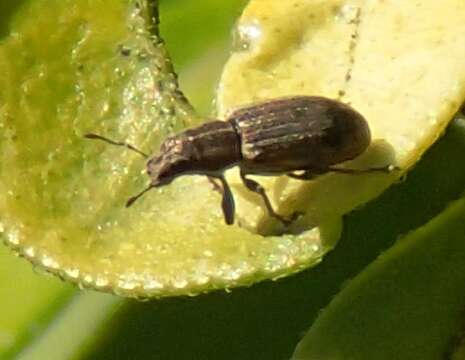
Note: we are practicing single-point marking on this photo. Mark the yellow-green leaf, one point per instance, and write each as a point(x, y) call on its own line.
point(400, 63)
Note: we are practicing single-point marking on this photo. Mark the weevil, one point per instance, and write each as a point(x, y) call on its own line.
point(301, 137)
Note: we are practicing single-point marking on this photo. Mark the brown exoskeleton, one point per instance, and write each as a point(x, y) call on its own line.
point(275, 137)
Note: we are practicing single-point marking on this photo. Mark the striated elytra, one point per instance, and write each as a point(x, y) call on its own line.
point(279, 136)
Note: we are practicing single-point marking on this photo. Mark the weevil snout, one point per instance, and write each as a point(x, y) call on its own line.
point(158, 172)
point(174, 159)
point(161, 171)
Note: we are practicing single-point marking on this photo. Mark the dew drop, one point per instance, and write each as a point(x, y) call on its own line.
point(73, 273)
point(29, 252)
point(348, 13)
point(202, 279)
point(246, 35)
point(126, 285)
point(13, 237)
point(101, 281)
point(152, 285)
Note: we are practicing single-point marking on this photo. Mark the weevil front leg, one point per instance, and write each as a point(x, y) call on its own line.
point(257, 188)
point(227, 202)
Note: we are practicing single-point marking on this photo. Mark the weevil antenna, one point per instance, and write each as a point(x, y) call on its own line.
point(117, 143)
point(133, 199)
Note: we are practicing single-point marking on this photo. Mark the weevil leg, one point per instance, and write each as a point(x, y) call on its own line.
point(215, 185)
point(384, 169)
point(227, 202)
point(307, 175)
point(313, 173)
point(116, 143)
point(257, 188)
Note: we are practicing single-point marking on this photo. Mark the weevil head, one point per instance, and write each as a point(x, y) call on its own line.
point(207, 149)
point(176, 158)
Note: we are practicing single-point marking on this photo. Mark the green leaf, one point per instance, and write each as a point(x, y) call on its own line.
point(407, 304)
point(201, 54)
point(28, 302)
point(68, 336)
point(107, 72)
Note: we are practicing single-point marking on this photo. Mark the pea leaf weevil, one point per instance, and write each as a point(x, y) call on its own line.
point(275, 137)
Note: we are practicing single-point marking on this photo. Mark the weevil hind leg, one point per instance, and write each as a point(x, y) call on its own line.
point(387, 169)
point(311, 174)
point(254, 186)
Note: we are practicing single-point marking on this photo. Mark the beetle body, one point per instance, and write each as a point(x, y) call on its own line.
point(279, 136)
point(269, 138)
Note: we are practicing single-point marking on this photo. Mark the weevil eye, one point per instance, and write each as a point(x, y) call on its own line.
point(160, 172)
point(161, 180)
point(153, 166)
point(167, 167)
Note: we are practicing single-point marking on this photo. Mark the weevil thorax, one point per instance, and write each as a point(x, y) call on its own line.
point(208, 149)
